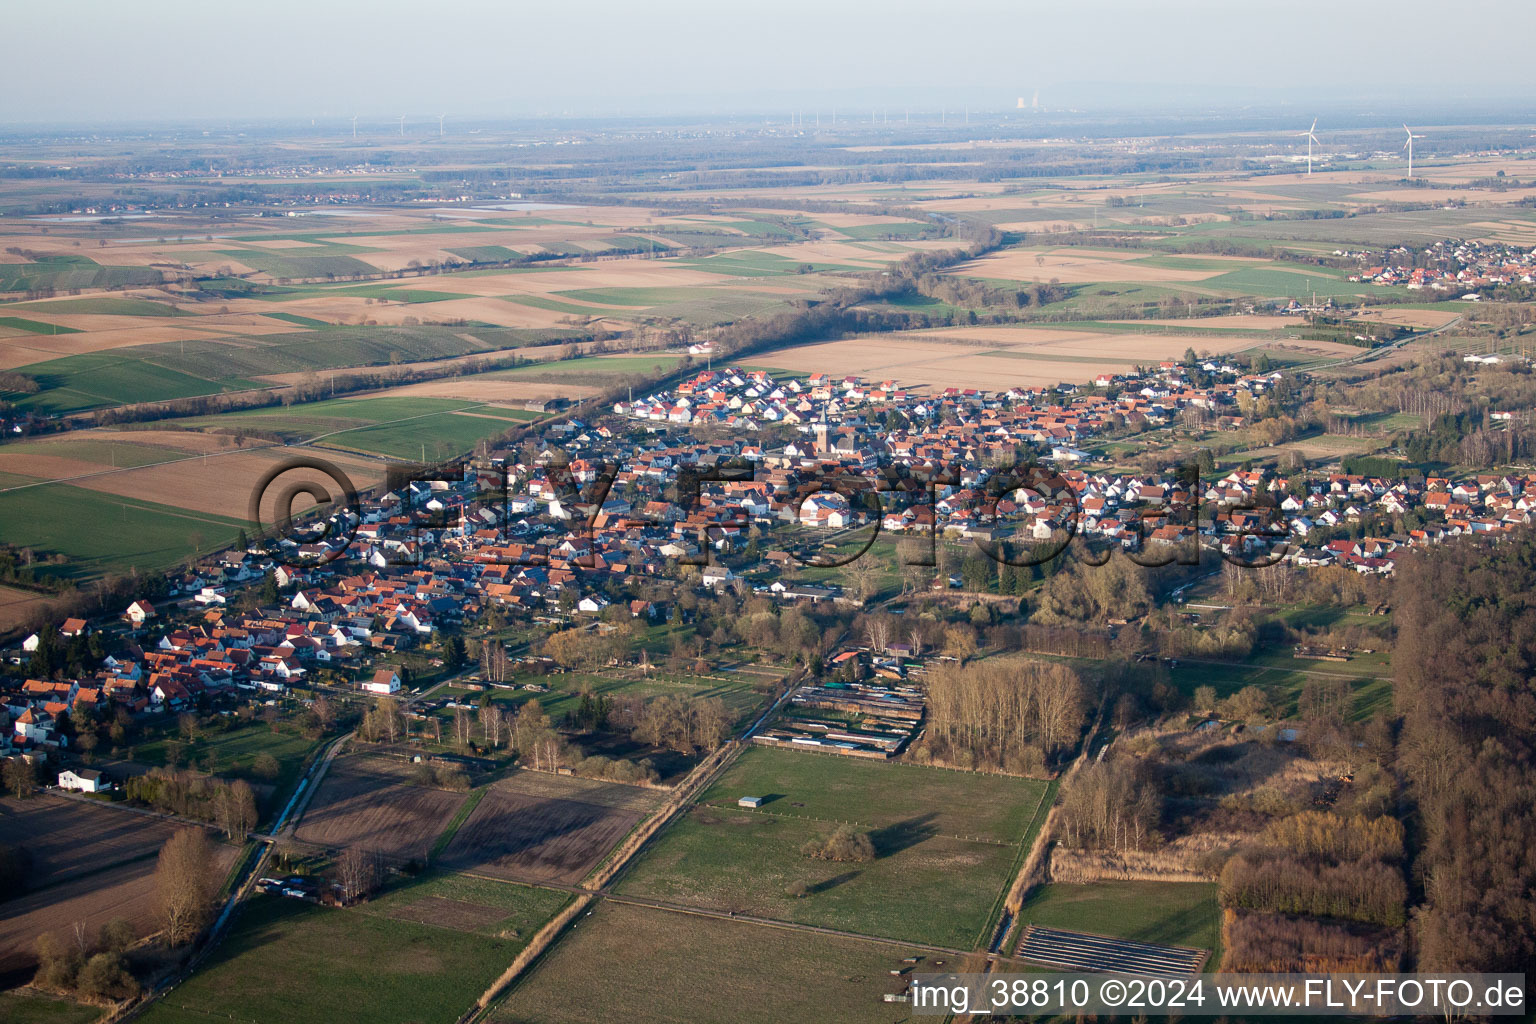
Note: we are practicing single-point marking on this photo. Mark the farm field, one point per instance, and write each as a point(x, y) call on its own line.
point(831, 788)
point(999, 356)
point(403, 427)
point(122, 365)
point(17, 606)
point(199, 474)
point(102, 533)
point(92, 899)
point(18, 1006)
point(331, 965)
point(369, 802)
point(464, 903)
point(722, 971)
point(1168, 913)
point(538, 828)
point(924, 885)
point(69, 838)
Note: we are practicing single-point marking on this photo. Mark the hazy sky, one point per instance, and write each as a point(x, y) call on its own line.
point(93, 60)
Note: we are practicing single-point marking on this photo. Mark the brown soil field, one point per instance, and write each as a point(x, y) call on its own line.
point(127, 892)
point(472, 389)
point(221, 484)
point(193, 442)
point(1412, 317)
point(39, 348)
point(991, 357)
point(1072, 267)
point(368, 802)
point(17, 607)
point(612, 274)
point(546, 829)
point(44, 467)
point(68, 838)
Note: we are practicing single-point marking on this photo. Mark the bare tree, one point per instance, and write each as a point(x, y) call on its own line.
point(877, 630)
point(493, 722)
point(184, 885)
point(20, 776)
point(359, 872)
point(463, 727)
point(235, 808)
point(863, 576)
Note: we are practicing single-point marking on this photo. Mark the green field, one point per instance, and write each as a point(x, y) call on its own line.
point(526, 907)
point(98, 379)
point(402, 428)
point(924, 885)
point(486, 253)
point(285, 960)
point(65, 272)
point(234, 754)
point(1172, 913)
point(122, 454)
point(658, 967)
point(103, 306)
point(102, 533)
point(34, 326)
point(282, 265)
point(900, 229)
point(833, 788)
point(29, 1007)
point(148, 373)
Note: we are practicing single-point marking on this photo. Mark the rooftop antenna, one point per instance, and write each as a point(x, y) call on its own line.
point(1310, 139)
point(1409, 147)
point(354, 126)
point(440, 118)
point(402, 124)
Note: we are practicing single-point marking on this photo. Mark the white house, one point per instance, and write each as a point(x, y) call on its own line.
point(83, 780)
point(385, 681)
point(139, 612)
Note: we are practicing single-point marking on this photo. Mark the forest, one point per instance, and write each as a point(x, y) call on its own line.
point(1463, 664)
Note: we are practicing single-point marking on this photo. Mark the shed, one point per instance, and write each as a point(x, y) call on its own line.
point(753, 802)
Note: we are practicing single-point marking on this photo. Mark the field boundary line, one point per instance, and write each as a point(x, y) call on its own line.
point(471, 801)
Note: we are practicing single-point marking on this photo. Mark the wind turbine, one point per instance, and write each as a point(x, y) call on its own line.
point(402, 124)
point(440, 124)
point(1310, 139)
point(354, 126)
point(1409, 147)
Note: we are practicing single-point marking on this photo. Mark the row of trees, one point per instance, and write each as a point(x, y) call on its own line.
point(231, 805)
point(1366, 891)
point(1105, 807)
point(1012, 714)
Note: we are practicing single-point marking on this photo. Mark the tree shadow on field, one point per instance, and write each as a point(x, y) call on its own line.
point(831, 883)
point(892, 839)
